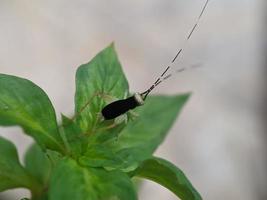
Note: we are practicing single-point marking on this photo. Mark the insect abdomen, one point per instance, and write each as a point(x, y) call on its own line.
point(120, 107)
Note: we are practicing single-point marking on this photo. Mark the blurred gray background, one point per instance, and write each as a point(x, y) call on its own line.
point(220, 137)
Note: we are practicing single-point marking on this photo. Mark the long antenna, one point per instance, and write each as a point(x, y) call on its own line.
point(164, 77)
point(177, 71)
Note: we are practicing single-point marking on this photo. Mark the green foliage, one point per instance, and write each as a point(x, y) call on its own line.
point(169, 176)
point(73, 134)
point(98, 81)
point(40, 164)
point(72, 181)
point(142, 136)
point(37, 164)
point(86, 157)
point(12, 174)
point(25, 104)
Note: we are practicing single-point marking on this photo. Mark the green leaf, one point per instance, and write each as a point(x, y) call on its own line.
point(79, 142)
point(169, 176)
point(76, 140)
point(38, 164)
point(82, 183)
point(25, 104)
point(98, 156)
point(12, 174)
point(104, 134)
point(98, 82)
point(142, 136)
point(101, 156)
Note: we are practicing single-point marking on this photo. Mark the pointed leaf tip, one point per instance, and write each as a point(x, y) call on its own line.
point(169, 176)
point(98, 82)
point(25, 104)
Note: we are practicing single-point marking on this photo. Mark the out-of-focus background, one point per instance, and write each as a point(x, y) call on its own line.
point(220, 137)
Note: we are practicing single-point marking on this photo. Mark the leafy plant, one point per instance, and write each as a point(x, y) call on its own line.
point(84, 157)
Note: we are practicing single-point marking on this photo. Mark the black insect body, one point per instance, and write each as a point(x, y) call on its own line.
point(120, 107)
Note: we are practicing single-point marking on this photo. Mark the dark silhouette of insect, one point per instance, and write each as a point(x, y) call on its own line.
point(120, 107)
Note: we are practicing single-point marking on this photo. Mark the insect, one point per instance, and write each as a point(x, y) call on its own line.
point(119, 107)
